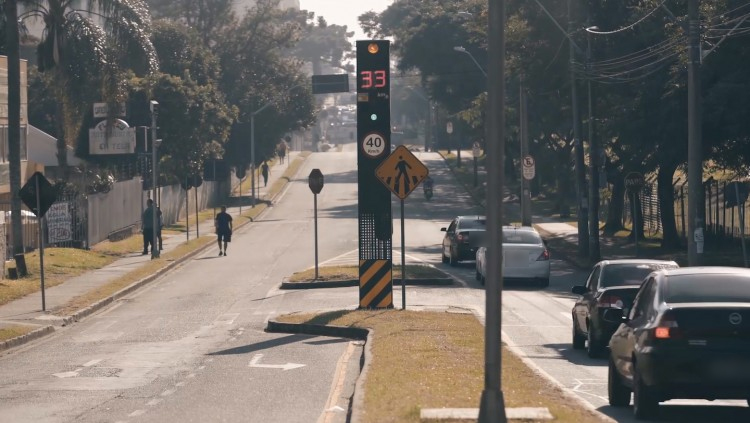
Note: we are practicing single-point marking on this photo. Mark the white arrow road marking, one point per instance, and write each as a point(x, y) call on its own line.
point(285, 367)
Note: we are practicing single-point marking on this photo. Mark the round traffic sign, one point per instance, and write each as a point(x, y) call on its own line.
point(373, 144)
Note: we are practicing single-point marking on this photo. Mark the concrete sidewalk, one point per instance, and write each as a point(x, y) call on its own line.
point(28, 310)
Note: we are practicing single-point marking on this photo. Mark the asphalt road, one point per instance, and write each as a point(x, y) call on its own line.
point(190, 347)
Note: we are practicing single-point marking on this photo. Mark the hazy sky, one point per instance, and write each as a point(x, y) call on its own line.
point(345, 12)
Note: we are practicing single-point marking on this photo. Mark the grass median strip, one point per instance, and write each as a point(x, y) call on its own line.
point(337, 273)
point(444, 366)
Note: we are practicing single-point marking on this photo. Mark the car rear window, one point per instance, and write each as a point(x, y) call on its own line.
point(520, 237)
point(472, 224)
point(710, 288)
point(629, 273)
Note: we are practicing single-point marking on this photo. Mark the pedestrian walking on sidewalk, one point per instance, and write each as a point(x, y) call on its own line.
point(147, 224)
point(264, 172)
point(223, 224)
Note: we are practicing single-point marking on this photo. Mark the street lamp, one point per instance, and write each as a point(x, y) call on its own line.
point(252, 139)
point(594, 159)
point(460, 49)
point(154, 108)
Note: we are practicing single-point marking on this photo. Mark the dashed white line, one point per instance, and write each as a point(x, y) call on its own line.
point(92, 362)
point(137, 413)
point(154, 402)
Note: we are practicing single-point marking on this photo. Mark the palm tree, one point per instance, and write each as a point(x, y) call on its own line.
point(86, 52)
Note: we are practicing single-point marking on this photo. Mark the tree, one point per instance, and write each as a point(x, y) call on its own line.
point(86, 60)
point(209, 18)
point(10, 9)
point(324, 43)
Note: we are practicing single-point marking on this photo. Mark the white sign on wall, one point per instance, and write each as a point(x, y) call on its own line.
point(59, 223)
point(120, 139)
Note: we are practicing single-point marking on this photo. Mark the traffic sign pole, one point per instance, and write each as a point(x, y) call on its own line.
point(403, 259)
point(316, 181)
point(315, 208)
point(41, 243)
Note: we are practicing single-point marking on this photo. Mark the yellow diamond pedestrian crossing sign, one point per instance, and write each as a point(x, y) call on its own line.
point(401, 172)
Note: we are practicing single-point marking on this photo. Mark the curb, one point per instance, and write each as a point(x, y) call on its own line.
point(356, 403)
point(20, 340)
point(355, 282)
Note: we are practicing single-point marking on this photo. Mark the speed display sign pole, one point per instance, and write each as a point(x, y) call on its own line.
point(374, 145)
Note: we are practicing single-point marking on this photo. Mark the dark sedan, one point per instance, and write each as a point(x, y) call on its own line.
point(611, 284)
point(462, 238)
point(687, 336)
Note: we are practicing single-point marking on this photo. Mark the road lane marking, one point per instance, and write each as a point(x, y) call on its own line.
point(287, 366)
point(168, 392)
point(154, 402)
point(92, 362)
point(137, 413)
point(337, 386)
point(226, 319)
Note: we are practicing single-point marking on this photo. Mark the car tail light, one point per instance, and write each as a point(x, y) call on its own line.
point(610, 301)
point(667, 328)
point(463, 237)
point(544, 256)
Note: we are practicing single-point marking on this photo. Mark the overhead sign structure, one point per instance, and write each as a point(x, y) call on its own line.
point(402, 172)
point(119, 139)
point(374, 199)
point(328, 84)
point(528, 168)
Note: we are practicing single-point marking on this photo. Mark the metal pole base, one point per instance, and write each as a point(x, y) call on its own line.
point(492, 407)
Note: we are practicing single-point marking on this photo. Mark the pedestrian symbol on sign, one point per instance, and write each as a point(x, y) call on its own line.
point(401, 172)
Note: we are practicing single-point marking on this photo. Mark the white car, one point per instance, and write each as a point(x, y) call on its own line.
point(525, 257)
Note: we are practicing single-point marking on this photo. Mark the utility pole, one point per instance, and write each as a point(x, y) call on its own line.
point(695, 160)
point(582, 206)
point(594, 159)
point(524, 141)
point(492, 403)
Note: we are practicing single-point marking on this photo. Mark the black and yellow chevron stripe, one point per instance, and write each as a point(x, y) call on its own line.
point(375, 284)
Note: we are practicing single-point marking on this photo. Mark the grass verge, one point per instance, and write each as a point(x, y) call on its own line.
point(338, 273)
point(444, 367)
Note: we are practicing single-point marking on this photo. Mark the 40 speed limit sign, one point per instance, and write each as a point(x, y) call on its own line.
point(373, 144)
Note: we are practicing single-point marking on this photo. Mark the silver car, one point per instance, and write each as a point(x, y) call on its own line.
point(525, 256)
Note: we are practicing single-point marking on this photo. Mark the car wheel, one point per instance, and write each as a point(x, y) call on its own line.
point(477, 275)
point(579, 341)
point(594, 346)
point(443, 257)
point(618, 393)
point(645, 403)
point(452, 260)
point(544, 283)
point(484, 280)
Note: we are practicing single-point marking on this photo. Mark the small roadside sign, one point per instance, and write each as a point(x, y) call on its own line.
point(401, 172)
point(315, 181)
point(529, 168)
point(476, 149)
point(39, 186)
point(634, 181)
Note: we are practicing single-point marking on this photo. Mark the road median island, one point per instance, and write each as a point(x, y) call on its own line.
point(343, 276)
point(417, 361)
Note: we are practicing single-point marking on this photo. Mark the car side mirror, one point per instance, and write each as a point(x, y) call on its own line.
point(614, 315)
point(579, 289)
point(443, 229)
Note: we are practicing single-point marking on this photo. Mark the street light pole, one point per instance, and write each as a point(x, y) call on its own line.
point(582, 206)
point(594, 159)
point(492, 403)
point(154, 107)
point(695, 160)
point(460, 49)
